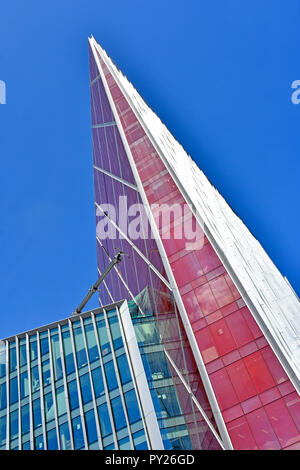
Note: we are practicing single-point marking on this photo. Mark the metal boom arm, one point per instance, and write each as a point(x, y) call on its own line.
point(116, 260)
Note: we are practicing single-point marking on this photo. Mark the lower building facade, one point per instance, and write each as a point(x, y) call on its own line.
point(104, 379)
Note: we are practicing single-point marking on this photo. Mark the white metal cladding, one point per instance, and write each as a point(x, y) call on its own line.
point(267, 293)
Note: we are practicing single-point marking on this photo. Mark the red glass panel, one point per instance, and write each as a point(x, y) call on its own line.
point(241, 435)
point(259, 372)
point(282, 422)
point(262, 430)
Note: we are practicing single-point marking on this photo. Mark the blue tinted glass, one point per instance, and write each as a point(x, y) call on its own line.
point(37, 417)
point(49, 407)
point(56, 357)
point(118, 412)
point(23, 356)
point(68, 353)
point(77, 433)
point(132, 406)
point(139, 440)
point(46, 372)
point(103, 337)
point(13, 390)
point(168, 402)
point(12, 359)
point(91, 426)
point(155, 365)
point(86, 391)
point(91, 342)
point(110, 375)
point(80, 349)
point(14, 424)
point(52, 440)
point(25, 423)
point(110, 447)
point(124, 370)
point(65, 440)
point(115, 332)
point(24, 384)
point(44, 346)
point(3, 397)
point(60, 400)
point(124, 444)
point(73, 395)
point(2, 360)
point(104, 420)
point(35, 379)
point(33, 350)
point(2, 430)
point(26, 445)
point(98, 382)
point(39, 443)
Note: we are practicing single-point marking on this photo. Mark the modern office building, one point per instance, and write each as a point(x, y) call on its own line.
point(239, 314)
point(195, 344)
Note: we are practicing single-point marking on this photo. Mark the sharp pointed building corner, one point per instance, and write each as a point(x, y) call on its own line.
point(238, 314)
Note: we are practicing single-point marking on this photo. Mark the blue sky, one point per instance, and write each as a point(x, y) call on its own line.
point(218, 73)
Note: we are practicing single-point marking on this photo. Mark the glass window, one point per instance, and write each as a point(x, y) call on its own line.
point(115, 332)
point(68, 352)
point(132, 406)
point(104, 419)
point(98, 382)
point(168, 402)
point(56, 357)
point(2, 359)
point(118, 412)
point(124, 444)
point(60, 400)
point(14, 424)
point(3, 398)
point(37, 416)
point(49, 407)
point(25, 422)
point(33, 350)
point(146, 333)
point(77, 433)
point(39, 443)
point(124, 370)
point(156, 366)
point(65, 440)
point(79, 346)
point(91, 426)
point(44, 346)
point(35, 379)
point(73, 395)
point(91, 342)
point(52, 440)
point(2, 430)
point(46, 373)
point(24, 386)
point(12, 359)
point(13, 390)
point(26, 445)
point(110, 375)
point(103, 338)
point(139, 440)
point(23, 355)
point(69, 358)
point(86, 391)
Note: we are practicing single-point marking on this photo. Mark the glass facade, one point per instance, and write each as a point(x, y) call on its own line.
point(246, 380)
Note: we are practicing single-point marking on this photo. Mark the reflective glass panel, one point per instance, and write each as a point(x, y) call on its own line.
point(13, 390)
point(52, 440)
point(91, 342)
point(80, 349)
point(73, 395)
point(91, 426)
point(68, 352)
point(65, 440)
point(77, 433)
point(56, 357)
point(104, 419)
point(25, 423)
point(98, 382)
point(118, 412)
point(132, 406)
point(24, 384)
point(14, 424)
point(49, 407)
point(37, 416)
point(86, 391)
point(110, 375)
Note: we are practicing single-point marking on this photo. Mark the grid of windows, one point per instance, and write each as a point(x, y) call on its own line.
point(71, 387)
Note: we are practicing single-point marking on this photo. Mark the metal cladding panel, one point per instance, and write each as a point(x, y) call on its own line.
point(252, 389)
